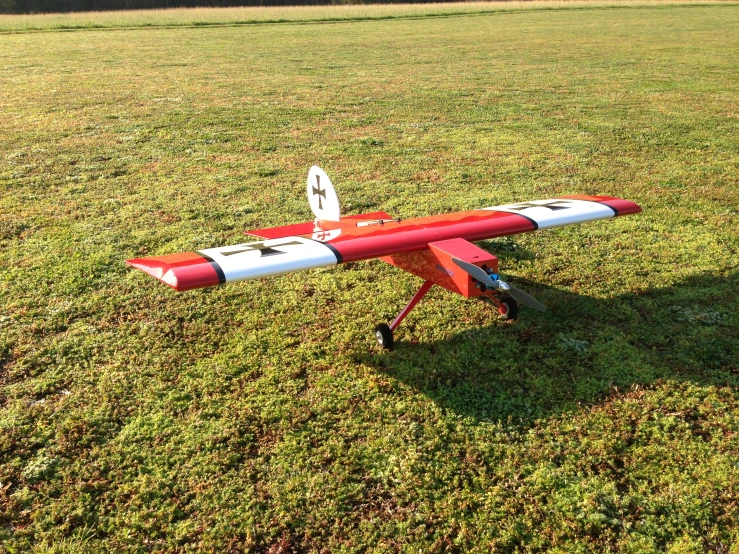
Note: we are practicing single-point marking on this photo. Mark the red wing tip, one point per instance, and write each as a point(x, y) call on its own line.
point(157, 269)
point(618, 205)
point(182, 272)
point(135, 262)
point(623, 207)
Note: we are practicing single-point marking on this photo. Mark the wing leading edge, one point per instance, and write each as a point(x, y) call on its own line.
point(215, 266)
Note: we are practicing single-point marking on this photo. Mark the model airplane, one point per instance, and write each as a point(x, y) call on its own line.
point(437, 248)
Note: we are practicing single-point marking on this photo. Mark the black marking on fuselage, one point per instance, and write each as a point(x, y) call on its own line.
point(216, 267)
point(262, 248)
point(319, 192)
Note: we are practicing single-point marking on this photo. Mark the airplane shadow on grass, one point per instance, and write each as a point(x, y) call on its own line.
point(577, 352)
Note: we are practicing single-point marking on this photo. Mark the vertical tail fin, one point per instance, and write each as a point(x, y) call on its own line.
point(322, 196)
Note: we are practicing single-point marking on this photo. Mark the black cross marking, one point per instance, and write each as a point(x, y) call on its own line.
point(549, 205)
point(319, 192)
point(263, 249)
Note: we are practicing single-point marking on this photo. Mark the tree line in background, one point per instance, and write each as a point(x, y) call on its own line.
point(47, 6)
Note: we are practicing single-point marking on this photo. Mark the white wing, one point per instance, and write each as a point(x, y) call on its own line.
point(555, 212)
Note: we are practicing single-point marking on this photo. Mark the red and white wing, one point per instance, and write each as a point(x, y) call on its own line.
point(305, 246)
point(227, 264)
point(556, 212)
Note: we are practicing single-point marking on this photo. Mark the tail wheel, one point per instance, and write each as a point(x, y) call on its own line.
point(508, 308)
point(384, 336)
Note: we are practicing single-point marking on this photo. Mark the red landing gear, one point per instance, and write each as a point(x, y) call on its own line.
point(384, 333)
point(507, 308)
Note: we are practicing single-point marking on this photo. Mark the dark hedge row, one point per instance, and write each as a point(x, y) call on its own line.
point(47, 6)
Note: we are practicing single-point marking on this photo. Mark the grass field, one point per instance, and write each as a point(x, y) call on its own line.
point(262, 416)
point(189, 17)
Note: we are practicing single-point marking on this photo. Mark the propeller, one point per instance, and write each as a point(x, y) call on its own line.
point(487, 280)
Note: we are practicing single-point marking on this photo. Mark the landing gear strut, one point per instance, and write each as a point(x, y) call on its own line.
point(384, 333)
point(507, 308)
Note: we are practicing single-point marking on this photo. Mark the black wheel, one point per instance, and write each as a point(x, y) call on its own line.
point(384, 336)
point(509, 309)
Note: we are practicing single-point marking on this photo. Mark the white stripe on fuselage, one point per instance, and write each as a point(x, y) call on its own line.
point(252, 260)
point(556, 212)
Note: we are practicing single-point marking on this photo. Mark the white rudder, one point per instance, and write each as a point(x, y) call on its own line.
point(322, 196)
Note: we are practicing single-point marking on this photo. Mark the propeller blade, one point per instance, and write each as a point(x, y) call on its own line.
point(519, 295)
point(476, 272)
point(526, 299)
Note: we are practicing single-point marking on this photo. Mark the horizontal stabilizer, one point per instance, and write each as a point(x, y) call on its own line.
point(310, 227)
point(365, 217)
point(284, 231)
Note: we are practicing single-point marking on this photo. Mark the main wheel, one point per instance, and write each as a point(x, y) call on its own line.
point(384, 336)
point(509, 309)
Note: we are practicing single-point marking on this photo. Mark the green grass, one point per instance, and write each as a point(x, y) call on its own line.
point(256, 15)
point(262, 416)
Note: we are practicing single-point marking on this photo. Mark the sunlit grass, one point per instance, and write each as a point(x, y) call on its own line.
point(262, 416)
point(251, 15)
